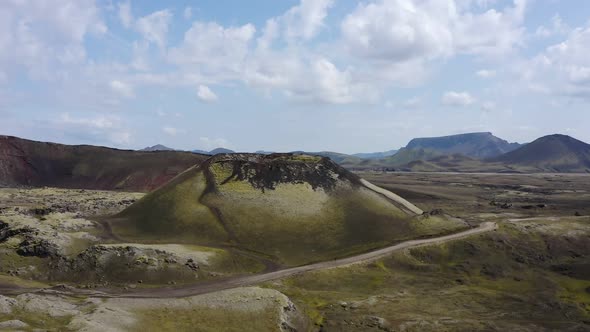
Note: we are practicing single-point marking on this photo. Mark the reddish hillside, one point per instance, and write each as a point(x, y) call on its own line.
point(30, 163)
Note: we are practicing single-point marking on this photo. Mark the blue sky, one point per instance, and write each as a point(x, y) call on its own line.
point(340, 75)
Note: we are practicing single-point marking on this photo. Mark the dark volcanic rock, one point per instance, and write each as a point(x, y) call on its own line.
point(264, 172)
point(37, 248)
point(7, 232)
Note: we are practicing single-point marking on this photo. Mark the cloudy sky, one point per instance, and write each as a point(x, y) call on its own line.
point(341, 75)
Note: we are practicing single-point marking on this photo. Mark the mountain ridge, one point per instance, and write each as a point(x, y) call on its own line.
point(478, 145)
point(32, 163)
point(157, 147)
point(552, 152)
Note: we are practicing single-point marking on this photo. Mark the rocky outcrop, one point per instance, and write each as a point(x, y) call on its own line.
point(13, 325)
point(121, 314)
point(53, 306)
point(265, 172)
point(37, 248)
point(7, 304)
point(31, 244)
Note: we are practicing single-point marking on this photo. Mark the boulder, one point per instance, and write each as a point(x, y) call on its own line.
point(6, 304)
point(13, 325)
point(53, 306)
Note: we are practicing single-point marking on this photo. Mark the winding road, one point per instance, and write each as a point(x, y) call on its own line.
point(242, 281)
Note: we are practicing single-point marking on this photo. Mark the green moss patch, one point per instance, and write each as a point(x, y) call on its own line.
point(203, 319)
point(498, 281)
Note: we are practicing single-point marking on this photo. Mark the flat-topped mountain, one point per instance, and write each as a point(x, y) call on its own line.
point(293, 208)
point(559, 153)
point(30, 163)
point(477, 145)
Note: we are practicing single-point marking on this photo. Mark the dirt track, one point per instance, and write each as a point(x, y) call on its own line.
point(218, 285)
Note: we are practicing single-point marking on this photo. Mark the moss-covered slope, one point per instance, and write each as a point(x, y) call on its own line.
point(294, 208)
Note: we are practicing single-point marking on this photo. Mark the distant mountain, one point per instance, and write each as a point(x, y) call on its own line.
point(407, 155)
point(220, 151)
point(558, 153)
point(158, 147)
point(459, 163)
point(214, 151)
point(476, 145)
point(376, 155)
point(36, 164)
point(339, 158)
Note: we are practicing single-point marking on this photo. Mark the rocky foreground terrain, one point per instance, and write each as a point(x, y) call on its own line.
point(255, 308)
point(531, 274)
point(48, 238)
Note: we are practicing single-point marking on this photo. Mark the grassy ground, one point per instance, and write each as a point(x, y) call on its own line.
point(530, 275)
point(37, 321)
point(207, 320)
point(173, 212)
point(59, 216)
point(471, 194)
point(527, 276)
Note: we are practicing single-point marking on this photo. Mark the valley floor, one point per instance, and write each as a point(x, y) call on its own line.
point(532, 274)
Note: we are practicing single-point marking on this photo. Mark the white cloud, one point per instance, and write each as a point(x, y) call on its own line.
point(99, 122)
point(408, 104)
point(270, 33)
point(397, 30)
point(486, 73)
point(491, 33)
point(300, 23)
point(121, 138)
point(187, 13)
point(98, 129)
point(412, 103)
point(171, 131)
point(205, 94)
point(457, 99)
point(140, 60)
point(330, 84)
point(488, 106)
point(401, 30)
point(46, 37)
point(154, 27)
point(208, 144)
point(125, 15)
point(212, 53)
point(558, 27)
point(213, 50)
point(561, 69)
point(305, 20)
point(313, 79)
point(122, 88)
